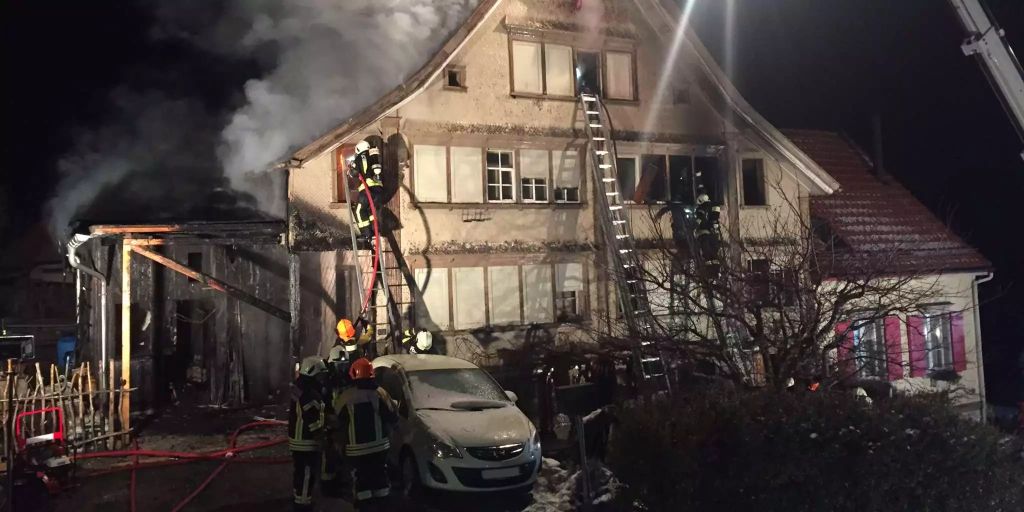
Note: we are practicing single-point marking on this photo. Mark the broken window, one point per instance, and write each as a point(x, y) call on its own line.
point(558, 70)
point(468, 297)
point(533, 172)
point(568, 289)
point(709, 176)
point(503, 286)
point(680, 179)
point(537, 293)
point(653, 181)
point(430, 169)
point(455, 77)
point(432, 311)
point(753, 182)
point(567, 176)
point(626, 176)
point(499, 177)
point(467, 163)
point(619, 76)
point(526, 67)
point(588, 72)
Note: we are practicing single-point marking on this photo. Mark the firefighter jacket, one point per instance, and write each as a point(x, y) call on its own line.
point(305, 416)
point(368, 166)
point(366, 414)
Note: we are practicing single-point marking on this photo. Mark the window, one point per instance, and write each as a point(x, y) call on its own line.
point(568, 288)
point(653, 180)
point(567, 176)
point(708, 174)
point(503, 286)
point(432, 310)
point(499, 176)
point(758, 281)
point(680, 179)
point(588, 72)
point(558, 69)
point(537, 293)
point(541, 68)
point(626, 176)
point(455, 78)
point(526, 67)
point(342, 155)
point(468, 297)
point(753, 182)
point(467, 187)
point(430, 167)
point(619, 76)
point(938, 341)
point(869, 347)
point(533, 172)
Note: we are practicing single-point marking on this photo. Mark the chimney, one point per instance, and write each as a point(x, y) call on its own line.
point(876, 142)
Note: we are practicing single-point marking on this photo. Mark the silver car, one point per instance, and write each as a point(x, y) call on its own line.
point(458, 430)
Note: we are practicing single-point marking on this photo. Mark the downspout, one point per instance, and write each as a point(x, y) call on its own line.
point(74, 244)
point(977, 341)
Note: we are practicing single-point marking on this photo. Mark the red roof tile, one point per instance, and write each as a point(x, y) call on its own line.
point(879, 219)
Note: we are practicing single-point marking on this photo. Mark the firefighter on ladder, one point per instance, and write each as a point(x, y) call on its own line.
point(305, 426)
point(707, 232)
point(365, 415)
point(367, 164)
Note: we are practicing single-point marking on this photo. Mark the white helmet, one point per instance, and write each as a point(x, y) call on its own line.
point(362, 147)
point(311, 366)
point(340, 352)
point(703, 198)
point(424, 340)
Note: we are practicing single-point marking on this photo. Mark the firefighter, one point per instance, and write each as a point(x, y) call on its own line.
point(707, 231)
point(365, 415)
point(367, 164)
point(421, 342)
point(305, 425)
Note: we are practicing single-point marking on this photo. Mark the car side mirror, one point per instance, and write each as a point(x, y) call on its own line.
point(512, 396)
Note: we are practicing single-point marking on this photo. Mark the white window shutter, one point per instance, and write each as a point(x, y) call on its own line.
point(558, 69)
point(537, 297)
point(467, 175)
point(533, 163)
point(430, 165)
point(526, 70)
point(468, 285)
point(568, 277)
point(567, 168)
point(503, 285)
point(432, 311)
point(619, 77)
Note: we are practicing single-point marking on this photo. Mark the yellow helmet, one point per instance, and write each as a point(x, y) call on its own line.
point(346, 331)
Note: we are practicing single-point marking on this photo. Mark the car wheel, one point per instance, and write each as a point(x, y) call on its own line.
point(411, 485)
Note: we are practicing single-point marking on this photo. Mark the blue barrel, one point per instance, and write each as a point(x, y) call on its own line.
point(66, 352)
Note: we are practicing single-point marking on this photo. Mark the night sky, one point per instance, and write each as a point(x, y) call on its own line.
point(801, 63)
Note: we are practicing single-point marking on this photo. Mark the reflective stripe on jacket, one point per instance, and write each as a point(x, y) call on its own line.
point(305, 419)
point(364, 417)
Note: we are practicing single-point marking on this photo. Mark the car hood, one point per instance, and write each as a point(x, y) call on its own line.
point(487, 427)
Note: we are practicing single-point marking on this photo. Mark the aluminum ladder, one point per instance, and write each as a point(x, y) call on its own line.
point(624, 262)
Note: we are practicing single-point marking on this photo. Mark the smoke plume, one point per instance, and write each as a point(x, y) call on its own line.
point(319, 61)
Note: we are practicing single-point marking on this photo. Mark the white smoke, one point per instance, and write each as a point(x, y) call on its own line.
point(334, 58)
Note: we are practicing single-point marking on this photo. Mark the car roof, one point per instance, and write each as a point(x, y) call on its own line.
point(412, 363)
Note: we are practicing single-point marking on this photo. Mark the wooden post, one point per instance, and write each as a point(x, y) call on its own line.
point(294, 298)
point(126, 332)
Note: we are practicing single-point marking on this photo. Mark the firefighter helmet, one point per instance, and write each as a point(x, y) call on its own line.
point(340, 352)
point(362, 147)
point(361, 369)
point(346, 331)
point(424, 340)
point(312, 366)
point(703, 198)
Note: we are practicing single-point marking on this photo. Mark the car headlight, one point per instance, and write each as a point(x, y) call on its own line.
point(446, 451)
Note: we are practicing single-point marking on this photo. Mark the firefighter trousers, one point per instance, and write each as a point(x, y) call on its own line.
point(364, 215)
point(369, 477)
point(333, 479)
point(304, 475)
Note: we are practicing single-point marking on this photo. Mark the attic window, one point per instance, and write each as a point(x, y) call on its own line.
point(455, 78)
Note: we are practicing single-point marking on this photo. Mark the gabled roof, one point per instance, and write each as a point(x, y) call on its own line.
point(878, 219)
point(662, 16)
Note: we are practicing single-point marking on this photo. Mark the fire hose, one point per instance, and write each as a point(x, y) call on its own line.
point(376, 244)
point(226, 456)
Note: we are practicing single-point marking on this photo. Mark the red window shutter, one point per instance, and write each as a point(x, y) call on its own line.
point(844, 352)
point(918, 355)
point(956, 329)
point(893, 347)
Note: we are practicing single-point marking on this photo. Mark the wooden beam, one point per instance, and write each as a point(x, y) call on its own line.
point(149, 242)
point(214, 283)
point(294, 298)
point(126, 335)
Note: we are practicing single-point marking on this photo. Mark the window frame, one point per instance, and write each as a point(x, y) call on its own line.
point(632, 72)
point(872, 358)
point(460, 70)
point(542, 43)
point(945, 351)
point(763, 171)
point(554, 182)
point(512, 179)
point(636, 175)
point(544, 38)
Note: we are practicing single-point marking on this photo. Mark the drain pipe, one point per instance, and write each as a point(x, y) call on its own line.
point(77, 241)
point(979, 279)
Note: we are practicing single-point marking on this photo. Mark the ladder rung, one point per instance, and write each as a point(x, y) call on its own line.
point(649, 359)
point(620, 237)
point(619, 221)
point(605, 166)
point(608, 180)
point(610, 193)
point(601, 152)
point(616, 207)
point(598, 139)
point(595, 125)
point(587, 97)
point(624, 251)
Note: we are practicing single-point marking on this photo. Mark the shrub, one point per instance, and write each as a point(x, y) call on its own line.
point(768, 451)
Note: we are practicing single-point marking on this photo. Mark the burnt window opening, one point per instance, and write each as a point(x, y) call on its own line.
point(626, 176)
point(709, 179)
point(588, 72)
point(653, 187)
point(455, 78)
point(680, 180)
point(754, 193)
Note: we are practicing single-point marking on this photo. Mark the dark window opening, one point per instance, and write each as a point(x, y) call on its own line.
point(626, 177)
point(652, 187)
point(680, 179)
point(753, 182)
point(567, 306)
point(708, 179)
point(455, 77)
point(588, 72)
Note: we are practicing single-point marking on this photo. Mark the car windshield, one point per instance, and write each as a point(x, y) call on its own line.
point(451, 389)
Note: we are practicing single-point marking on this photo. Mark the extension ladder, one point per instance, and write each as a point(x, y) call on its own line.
point(624, 262)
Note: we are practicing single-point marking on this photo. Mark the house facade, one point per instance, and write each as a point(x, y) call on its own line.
point(493, 196)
